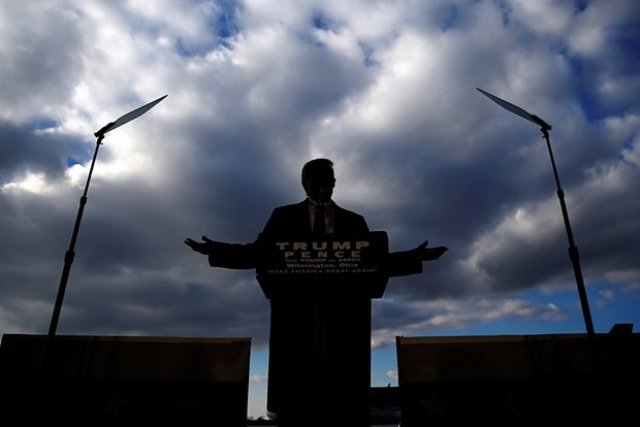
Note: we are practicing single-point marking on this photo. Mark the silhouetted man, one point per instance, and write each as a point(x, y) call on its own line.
point(313, 332)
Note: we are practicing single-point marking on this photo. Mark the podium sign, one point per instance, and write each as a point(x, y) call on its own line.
point(328, 259)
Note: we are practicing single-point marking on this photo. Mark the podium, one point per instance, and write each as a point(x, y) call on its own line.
point(320, 292)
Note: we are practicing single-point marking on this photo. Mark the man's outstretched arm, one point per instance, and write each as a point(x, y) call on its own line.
point(206, 247)
point(226, 255)
point(410, 262)
point(424, 253)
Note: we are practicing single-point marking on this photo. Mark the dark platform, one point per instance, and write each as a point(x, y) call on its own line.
point(519, 380)
point(99, 380)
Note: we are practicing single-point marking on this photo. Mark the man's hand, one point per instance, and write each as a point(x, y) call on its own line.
point(429, 254)
point(204, 247)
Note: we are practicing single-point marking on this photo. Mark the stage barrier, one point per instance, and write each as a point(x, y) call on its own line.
point(125, 379)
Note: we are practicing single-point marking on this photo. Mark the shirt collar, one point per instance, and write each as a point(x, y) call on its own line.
point(314, 204)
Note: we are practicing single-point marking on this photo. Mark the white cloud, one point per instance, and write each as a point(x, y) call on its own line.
point(31, 183)
point(544, 16)
point(447, 314)
point(258, 379)
point(492, 258)
point(392, 375)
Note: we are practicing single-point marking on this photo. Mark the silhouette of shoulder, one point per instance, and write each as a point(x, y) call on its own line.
point(293, 219)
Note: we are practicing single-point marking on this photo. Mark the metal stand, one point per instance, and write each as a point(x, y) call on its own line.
point(70, 254)
point(573, 249)
point(68, 261)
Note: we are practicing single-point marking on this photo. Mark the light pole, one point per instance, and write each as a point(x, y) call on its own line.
point(573, 249)
point(70, 254)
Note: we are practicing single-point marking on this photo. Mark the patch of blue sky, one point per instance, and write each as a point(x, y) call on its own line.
point(223, 25)
point(226, 19)
point(259, 360)
point(42, 123)
point(368, 53)
point(572, 323)
point(585, 95)
point(506, 12)
point(226, 24)
point(72, 161)
point(581, 5)
point(320, 21)
point(81, 154)
point(627, 148)
point(450, 17)
point(624, 41)
point(626, 301)
point(383, 360)
point(568, 319)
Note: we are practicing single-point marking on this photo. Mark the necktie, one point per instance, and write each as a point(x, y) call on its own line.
point(318, 223)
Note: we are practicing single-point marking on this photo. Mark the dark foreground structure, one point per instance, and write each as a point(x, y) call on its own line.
point(519, 380)
point(101, 380)
point(508, 380)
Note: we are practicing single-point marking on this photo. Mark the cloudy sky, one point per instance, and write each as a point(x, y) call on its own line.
point(387, 89)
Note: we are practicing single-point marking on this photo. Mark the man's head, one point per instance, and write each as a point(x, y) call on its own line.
point(318, 179)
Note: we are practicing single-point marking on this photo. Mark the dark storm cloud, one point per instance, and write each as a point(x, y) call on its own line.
point(23, 149)
point(136, 302)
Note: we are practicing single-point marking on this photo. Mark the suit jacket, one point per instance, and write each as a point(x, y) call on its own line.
point(293, 221)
